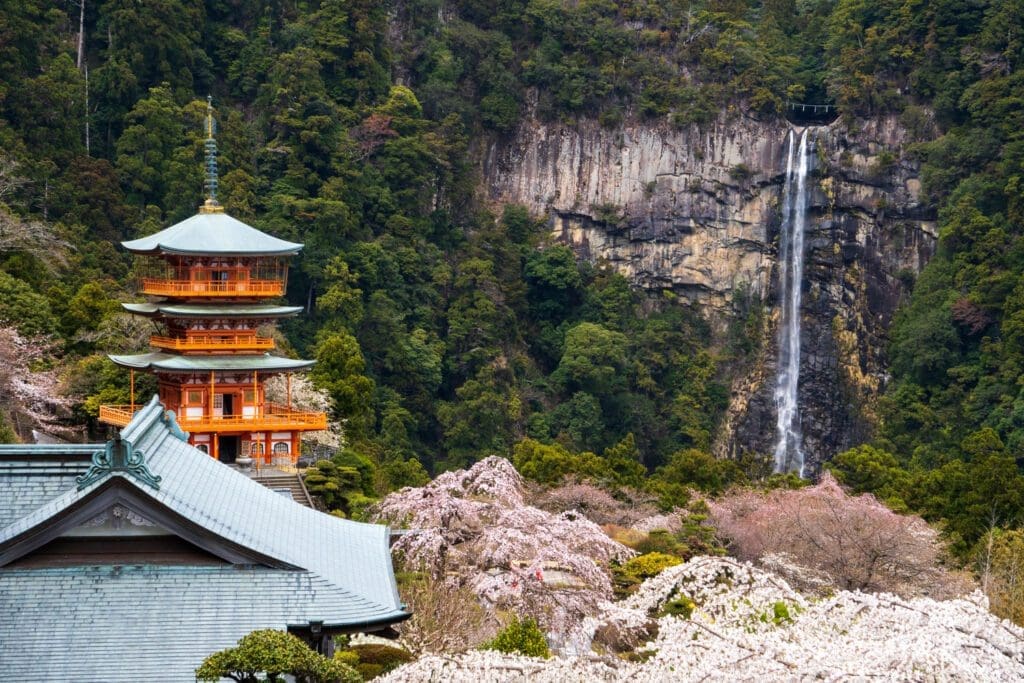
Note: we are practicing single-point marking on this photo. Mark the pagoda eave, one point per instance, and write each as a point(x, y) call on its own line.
point(212, 234)
point(169, 362)
point(168, 310)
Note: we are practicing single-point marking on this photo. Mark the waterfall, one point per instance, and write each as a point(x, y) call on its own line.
point(789, 455)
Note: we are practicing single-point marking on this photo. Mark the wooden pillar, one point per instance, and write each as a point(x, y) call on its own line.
point(255, 397)
point(267, 455)
point(214, 446)
point(296, 444)
point(211, 395)
point(131, 390)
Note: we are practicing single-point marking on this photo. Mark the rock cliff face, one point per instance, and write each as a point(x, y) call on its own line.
point(696, 211)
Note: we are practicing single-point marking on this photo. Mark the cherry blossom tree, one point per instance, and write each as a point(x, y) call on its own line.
point(29, 388)
point(475, 527)
point(743, 623)
point(855, 541)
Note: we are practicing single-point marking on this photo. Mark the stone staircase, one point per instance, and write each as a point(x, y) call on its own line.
point(287, 485)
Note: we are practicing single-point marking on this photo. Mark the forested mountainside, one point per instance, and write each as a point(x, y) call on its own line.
point(450, 325)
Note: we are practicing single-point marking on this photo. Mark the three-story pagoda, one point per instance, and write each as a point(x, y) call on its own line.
point(214, 281)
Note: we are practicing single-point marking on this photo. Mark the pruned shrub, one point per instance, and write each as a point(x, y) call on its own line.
point(522, 637)
point(374, 659)
point(629, 575)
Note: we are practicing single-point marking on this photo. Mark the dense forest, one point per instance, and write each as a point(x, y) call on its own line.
point(447, 329)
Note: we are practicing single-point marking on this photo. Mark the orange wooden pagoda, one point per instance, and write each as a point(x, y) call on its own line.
point(214, 280)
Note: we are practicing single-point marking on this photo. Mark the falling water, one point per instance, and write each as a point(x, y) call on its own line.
point(789, 455)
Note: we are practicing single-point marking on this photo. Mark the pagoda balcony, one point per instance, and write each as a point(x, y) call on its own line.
point(213, 342)
point(212, 288)
point(274, 417)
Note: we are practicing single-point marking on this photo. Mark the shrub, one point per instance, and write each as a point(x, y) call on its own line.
point(522, 637)
point(651, 564)
point(628, 576)
point(678, 606)
point(274, 653)
point(374, 660)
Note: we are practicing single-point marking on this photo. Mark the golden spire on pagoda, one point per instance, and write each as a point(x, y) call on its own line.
point(211, 205)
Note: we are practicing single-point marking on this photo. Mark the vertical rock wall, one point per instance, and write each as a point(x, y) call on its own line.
point(697, 211)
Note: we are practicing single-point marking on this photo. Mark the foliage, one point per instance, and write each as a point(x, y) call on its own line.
point(631, 573)
point(522, 636)
point(341, 487)
point(372, 660)
point(445, 333)
point(275, 654)
point(999, 561)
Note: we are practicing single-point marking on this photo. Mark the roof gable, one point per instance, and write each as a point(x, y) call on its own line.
point(119, 490)
point(224, 512)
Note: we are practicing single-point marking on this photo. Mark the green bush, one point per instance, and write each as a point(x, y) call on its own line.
point(680, 606)
point(650, 564)
point(521, 637)
point(375, 660)
point(628, 576)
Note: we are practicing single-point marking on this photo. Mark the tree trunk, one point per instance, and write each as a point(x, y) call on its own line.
point(81, 33)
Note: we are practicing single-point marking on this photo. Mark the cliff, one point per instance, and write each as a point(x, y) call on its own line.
point(696, 211)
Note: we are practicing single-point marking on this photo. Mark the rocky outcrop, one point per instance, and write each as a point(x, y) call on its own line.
point(696, 211)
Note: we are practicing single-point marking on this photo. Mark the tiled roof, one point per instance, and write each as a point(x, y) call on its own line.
point(147, 623)
point(214, 311)
point(28, 478)
point(171, 361)
point(212, 233)
point(342, 574)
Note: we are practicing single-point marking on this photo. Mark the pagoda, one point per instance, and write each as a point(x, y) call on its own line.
point(214, 281)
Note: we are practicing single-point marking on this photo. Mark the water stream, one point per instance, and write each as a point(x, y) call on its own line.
point(789, 455)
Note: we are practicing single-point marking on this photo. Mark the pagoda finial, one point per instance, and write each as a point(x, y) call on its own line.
point(211, 205)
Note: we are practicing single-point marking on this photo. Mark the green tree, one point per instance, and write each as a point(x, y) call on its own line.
point(275, 654)
point(340, 371)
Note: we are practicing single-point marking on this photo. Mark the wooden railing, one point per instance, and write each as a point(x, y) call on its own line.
point(213, 342)
point(273, 418)
point(162, 287)
point(119, 416)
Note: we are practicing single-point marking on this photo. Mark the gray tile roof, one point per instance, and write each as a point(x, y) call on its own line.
point(29, 481)
point(212, 233)
point(212, 311)
point(147, 623)
point(343, 577)
point(171, 361)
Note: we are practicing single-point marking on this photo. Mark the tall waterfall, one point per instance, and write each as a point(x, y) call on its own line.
point(789, 455)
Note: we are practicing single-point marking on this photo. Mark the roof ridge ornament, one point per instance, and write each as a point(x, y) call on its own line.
point(211, 205)
point(118, 456)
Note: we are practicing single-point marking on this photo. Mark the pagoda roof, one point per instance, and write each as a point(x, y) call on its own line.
point(158, 360)
point(215, 311)
point(214, 234)
point(276, 563)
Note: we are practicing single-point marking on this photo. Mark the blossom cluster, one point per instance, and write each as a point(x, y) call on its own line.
point(748, 623)
point(476, 526)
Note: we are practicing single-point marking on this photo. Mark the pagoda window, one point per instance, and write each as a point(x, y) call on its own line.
point(281, 448)
point(203, 447)
point(194, 397)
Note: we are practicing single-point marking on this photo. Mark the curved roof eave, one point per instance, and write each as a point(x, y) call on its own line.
point(216, 234)
point(158, 360)
point(211, 311)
